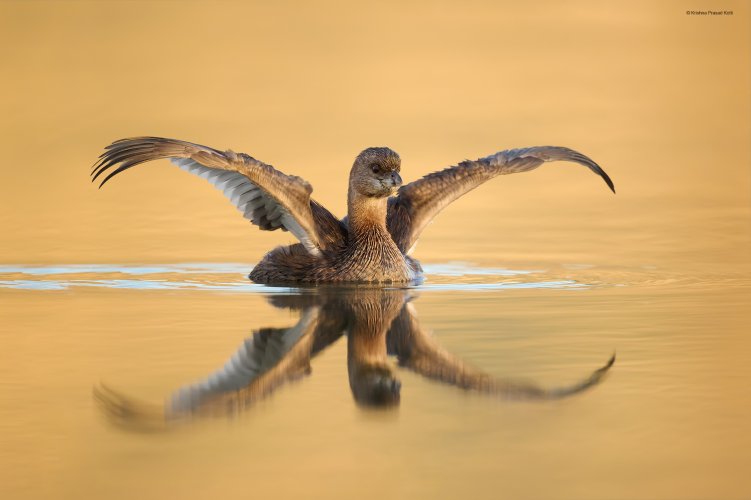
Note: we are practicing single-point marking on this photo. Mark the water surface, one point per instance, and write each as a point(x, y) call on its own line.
point(675, 401)
point(141, 286)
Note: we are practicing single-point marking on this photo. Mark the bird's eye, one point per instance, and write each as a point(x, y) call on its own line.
point(375, 168)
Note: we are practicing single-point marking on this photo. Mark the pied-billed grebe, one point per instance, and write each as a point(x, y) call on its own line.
point(372, 244)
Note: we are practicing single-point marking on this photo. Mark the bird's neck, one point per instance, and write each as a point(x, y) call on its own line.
point(367, 215)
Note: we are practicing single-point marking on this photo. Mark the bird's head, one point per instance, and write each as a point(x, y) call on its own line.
point(375, 173)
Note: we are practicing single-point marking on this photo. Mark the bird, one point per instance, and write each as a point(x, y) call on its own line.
point(373, 243)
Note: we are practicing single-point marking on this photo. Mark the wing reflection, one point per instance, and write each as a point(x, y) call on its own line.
point(378, 323)
point(418, 351)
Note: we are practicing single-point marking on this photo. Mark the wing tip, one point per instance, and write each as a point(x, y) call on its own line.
point(594, 379)
point(572, 155)
point(610, 362)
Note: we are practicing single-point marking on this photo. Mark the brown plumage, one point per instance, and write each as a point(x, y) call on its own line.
point(372, 244)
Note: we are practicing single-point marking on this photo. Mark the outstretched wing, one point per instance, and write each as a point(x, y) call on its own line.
point(418, 351)
point(267, 197)
point(418, 202)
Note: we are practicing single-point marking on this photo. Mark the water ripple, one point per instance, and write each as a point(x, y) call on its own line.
point(231, 277)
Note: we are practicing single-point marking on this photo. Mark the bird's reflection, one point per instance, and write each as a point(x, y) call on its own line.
point(377, 322)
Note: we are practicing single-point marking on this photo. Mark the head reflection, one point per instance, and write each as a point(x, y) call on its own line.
point(377, 322)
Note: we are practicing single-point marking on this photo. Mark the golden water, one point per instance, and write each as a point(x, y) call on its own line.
point(538, 276)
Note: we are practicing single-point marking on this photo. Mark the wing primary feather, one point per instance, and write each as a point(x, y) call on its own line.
point(260, 192)
point(124, 166)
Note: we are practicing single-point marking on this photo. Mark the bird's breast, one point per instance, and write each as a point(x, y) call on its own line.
point(374, 257)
